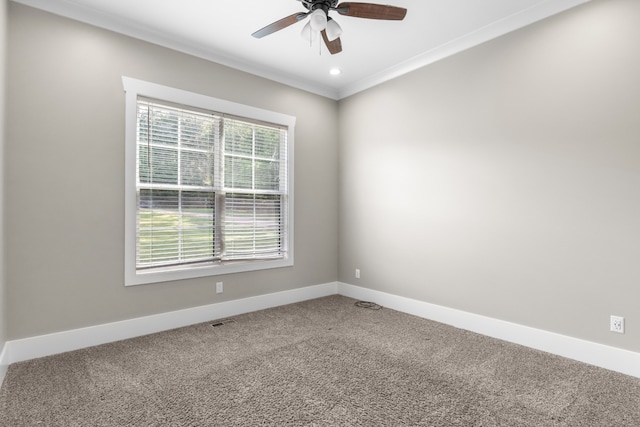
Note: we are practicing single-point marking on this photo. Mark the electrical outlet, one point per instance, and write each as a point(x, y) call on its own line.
point(219, 287)
point(617, 324)
point(357, 273)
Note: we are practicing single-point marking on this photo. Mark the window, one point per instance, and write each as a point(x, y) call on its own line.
point(208, 186)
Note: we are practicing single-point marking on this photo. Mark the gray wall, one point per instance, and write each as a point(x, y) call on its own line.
point(65, 176)
point(504, 181)
point(512, 170)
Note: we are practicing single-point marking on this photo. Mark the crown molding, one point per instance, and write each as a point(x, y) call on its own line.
point(538, 12)
point(494, 30)
point(105, 21)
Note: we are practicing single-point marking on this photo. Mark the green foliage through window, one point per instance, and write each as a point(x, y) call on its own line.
point(209, 188)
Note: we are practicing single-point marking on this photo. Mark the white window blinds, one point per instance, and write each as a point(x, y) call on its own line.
point(210, 188)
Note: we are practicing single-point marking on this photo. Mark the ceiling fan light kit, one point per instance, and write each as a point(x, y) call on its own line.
point(308, 34)
point(320, 21)
point(333, 30)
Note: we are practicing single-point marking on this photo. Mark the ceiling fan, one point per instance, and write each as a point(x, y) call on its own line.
point(321, 22)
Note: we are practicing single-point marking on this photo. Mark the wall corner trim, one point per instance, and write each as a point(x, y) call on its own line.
point(4, 363)
point(611, 358)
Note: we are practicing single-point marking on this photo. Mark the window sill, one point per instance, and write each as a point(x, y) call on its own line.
point(167, 274)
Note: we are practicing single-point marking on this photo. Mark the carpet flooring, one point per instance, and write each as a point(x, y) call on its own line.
point(324, 362)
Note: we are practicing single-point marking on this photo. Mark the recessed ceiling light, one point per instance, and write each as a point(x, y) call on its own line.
point(335, 71)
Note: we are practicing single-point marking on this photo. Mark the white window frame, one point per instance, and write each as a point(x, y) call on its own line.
point(135, 88)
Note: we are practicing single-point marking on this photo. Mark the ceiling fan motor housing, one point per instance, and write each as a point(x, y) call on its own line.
point(324, 5)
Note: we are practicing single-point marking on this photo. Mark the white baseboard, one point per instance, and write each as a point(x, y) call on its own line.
point(615, 359)
point(612, 358)
point(60, 342)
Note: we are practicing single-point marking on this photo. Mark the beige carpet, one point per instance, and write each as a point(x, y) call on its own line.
point(324, 362)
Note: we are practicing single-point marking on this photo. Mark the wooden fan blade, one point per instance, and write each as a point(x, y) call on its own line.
point(372, 11)
point(334, 46)
point(279, 25)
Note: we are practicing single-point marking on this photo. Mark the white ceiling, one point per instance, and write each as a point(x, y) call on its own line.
point(373, 51)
